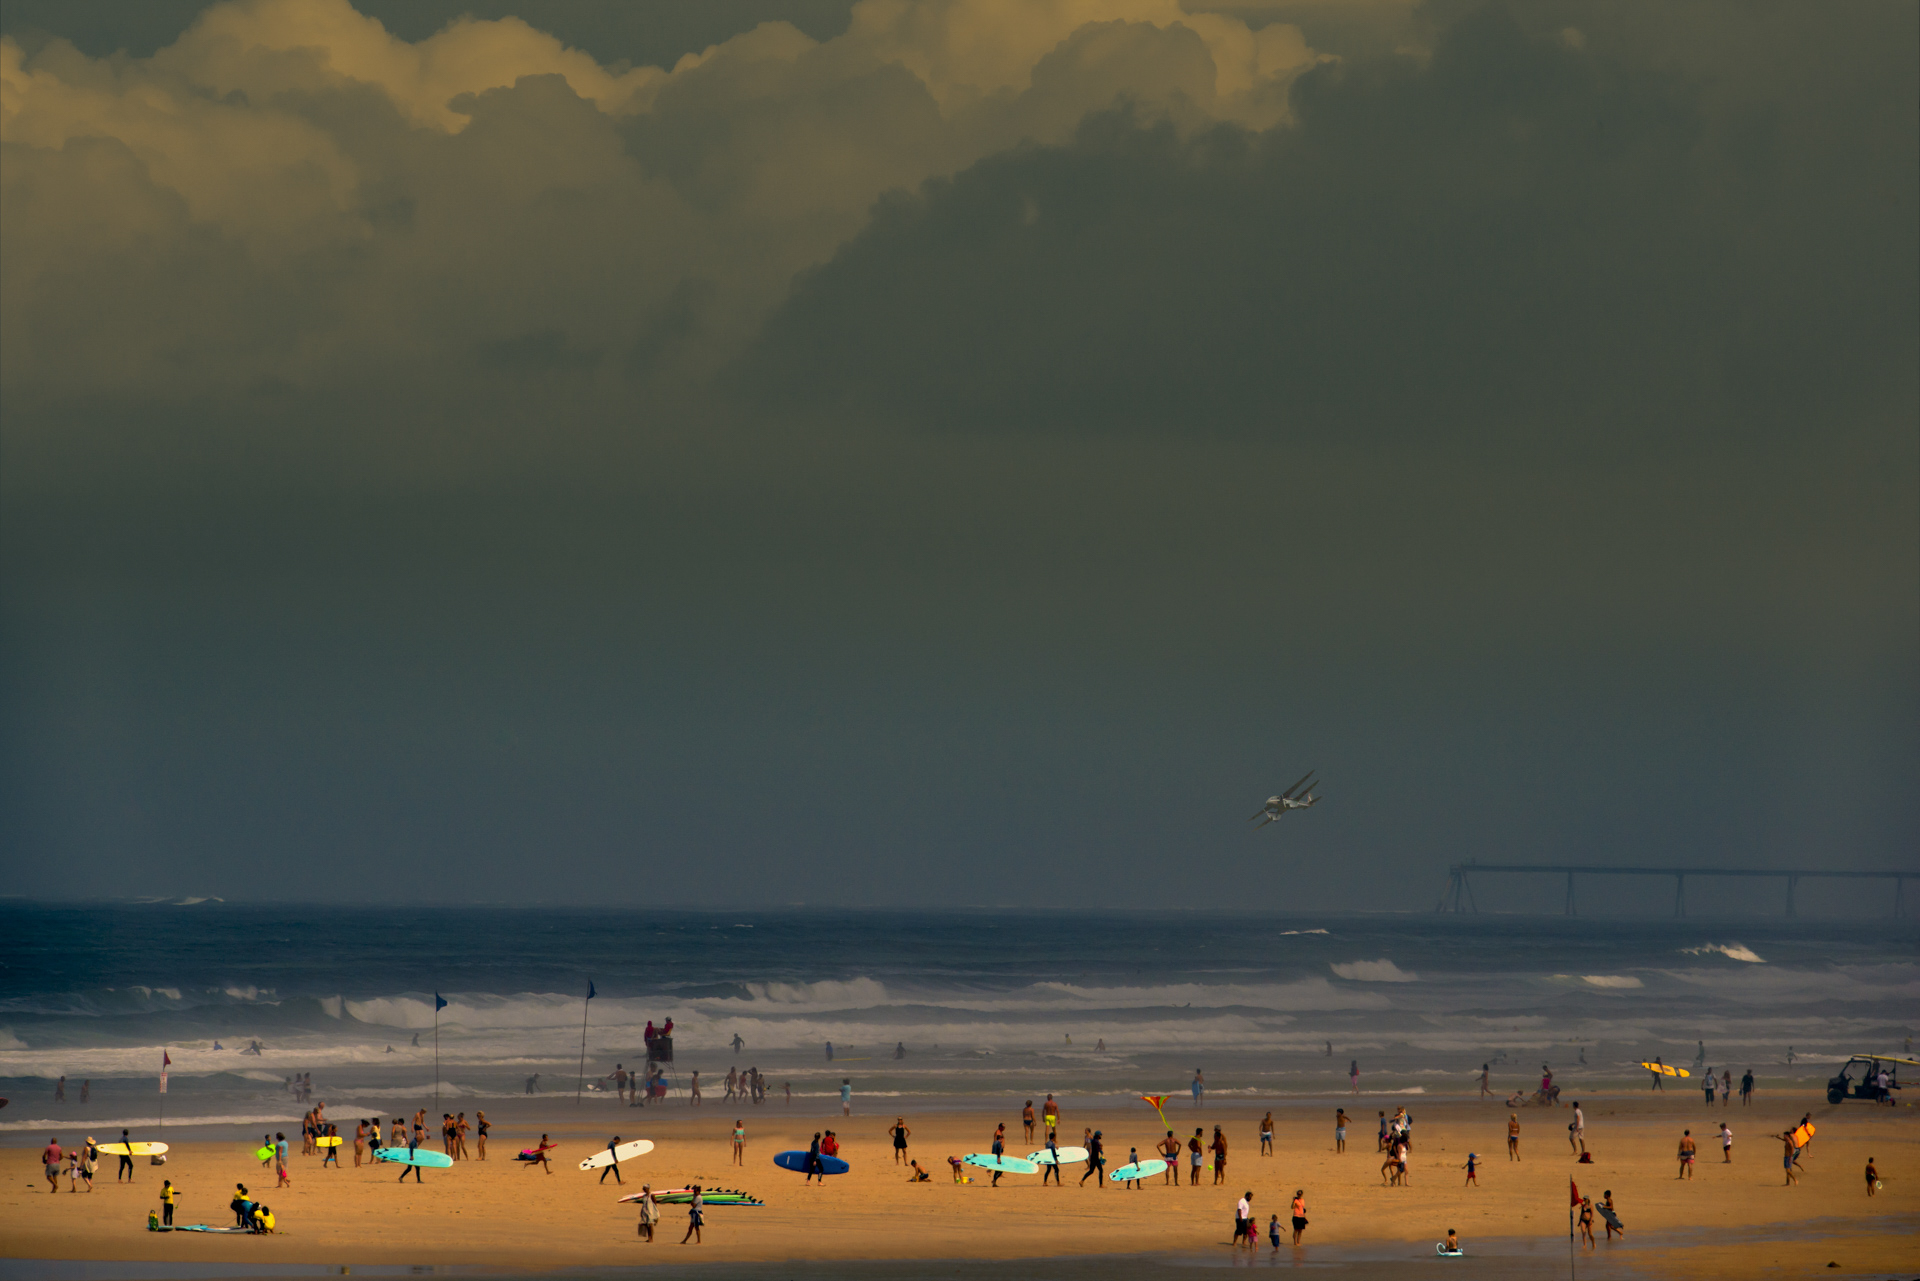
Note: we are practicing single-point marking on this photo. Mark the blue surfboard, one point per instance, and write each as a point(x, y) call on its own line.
point(1004, 1164)
point(796, 1161)
point(414, 1156)
point(1145, 1170)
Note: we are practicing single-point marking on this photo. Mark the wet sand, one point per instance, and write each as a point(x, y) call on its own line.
point(1729, 1220)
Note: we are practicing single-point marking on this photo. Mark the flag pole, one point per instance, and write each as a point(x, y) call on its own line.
point(581, 1086)
point(436, 1049)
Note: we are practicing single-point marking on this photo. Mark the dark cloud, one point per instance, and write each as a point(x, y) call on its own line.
point(863, 468)
point(1521, 234)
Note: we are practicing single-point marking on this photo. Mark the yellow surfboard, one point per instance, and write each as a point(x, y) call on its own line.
point(133, 1149)
point(1664, 1070)
point(328, 1141)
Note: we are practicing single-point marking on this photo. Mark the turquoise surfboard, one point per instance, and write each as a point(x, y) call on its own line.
point(1003, 1164)
point(1068, 1156)
point(417, 1156)
point(1145, 1170)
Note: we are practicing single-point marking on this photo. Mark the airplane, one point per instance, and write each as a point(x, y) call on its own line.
point(1294, 798)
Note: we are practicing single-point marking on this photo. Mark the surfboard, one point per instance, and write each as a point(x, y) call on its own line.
point(327, 1141)
point(201, 1227)
point(1802, 1135)
point(708, 1196)
point(1665, 1070)
point(1145, 1170)
point(796, 1161)
point(133, 1149)
point(626, 1151)
point(1004, 1164)
point(264, 1154)
point(1611, 1218)
point(1440, 1248)
point(415, 1156)
point(1068, 1156)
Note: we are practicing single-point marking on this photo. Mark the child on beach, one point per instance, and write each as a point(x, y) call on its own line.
point(919, 1175)
point(1473, 1177)
point(1873, 1178)
point(538, 1156)
point(959, 1176)
point(1726, 1144)
point(1133, 1159)
point(1273, 1231)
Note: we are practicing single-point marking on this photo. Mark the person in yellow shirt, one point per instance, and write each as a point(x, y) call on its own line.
point(167, 1194)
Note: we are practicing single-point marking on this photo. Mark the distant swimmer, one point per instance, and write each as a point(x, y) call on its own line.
point(738, 1044)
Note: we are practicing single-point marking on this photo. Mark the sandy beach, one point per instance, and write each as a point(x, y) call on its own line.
point(1731, 1220)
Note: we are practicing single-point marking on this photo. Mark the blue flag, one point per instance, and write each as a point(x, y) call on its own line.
point(589, 989)
point(439, 1002)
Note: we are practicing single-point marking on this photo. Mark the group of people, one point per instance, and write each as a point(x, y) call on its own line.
point(749, 1085)
point(1246, 1228)
point(60, 1090)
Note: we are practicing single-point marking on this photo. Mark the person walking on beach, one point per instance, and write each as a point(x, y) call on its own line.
point(480, 1134)
point(1026, 1119)
point(126, 1156)
point(1242, 1219)
point(1486, 1089)
point(1513, 1136)
point(739, 1142)
point(413, 1151)
point(1473, 1175)
point(1266, 1135)
point(1577, 1130)
point(900, 1133)
point(1199, 1086)
point(1096, 1162)
point(1385, 1131)
point(89, 1162)
point(1299, 1214)
point(613, 1161)
point(539, 1156)
point(1133, 1162)
point(814, 1164)
point(1273, 1230)
point(999, 1150)
point(1613, 1220)
point(1052, 1167)
point(333, 1149)
point(1219, 1149)
point(693, 1090)
point(1586, 1222)
point(1788, 1159)
point(1746, 1088)
point(649, 1213)
point(846, 1096)
point(1726, 1144)
point(1353, 1075)
point(696, 1215)
point(1657, 1074)
point(1686, 1155)
point(50, 1158)
point(1339, 1129)
point(1050, 1113)
point(1726, 1088)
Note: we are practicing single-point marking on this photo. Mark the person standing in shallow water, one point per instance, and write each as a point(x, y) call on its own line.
point(1199, 1087)
point(1353, 1076)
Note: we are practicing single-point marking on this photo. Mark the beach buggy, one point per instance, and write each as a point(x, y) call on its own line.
point(1878, 1077)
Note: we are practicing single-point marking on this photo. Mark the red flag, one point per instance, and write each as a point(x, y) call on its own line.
point(1576, 1191)
point(166, 1060)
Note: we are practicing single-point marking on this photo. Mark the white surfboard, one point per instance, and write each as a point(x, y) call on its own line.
point(627, 1151)
point(1068, 1156)
point(1004, 1164)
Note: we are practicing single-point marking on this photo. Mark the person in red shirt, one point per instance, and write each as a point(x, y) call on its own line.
point(830, 1145)
point(51, 1158)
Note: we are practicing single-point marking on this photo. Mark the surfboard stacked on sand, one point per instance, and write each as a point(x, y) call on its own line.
point(708, 1196)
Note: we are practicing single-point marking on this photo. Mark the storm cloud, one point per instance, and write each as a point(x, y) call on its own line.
point(948, 450)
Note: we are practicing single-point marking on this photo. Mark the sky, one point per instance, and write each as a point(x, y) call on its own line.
point(953, 452)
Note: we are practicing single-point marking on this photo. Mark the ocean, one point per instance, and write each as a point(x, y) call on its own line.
point(923, 1009)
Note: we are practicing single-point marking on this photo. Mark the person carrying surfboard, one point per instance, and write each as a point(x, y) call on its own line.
point(1096, 1161)
point(613, 1161)
point(126, 1158)
point(1052, 1165)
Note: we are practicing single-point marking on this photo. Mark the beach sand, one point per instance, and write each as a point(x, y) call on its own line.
point(1732, 1221)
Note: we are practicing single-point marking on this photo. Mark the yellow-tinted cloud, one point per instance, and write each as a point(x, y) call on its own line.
point(289, 189)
